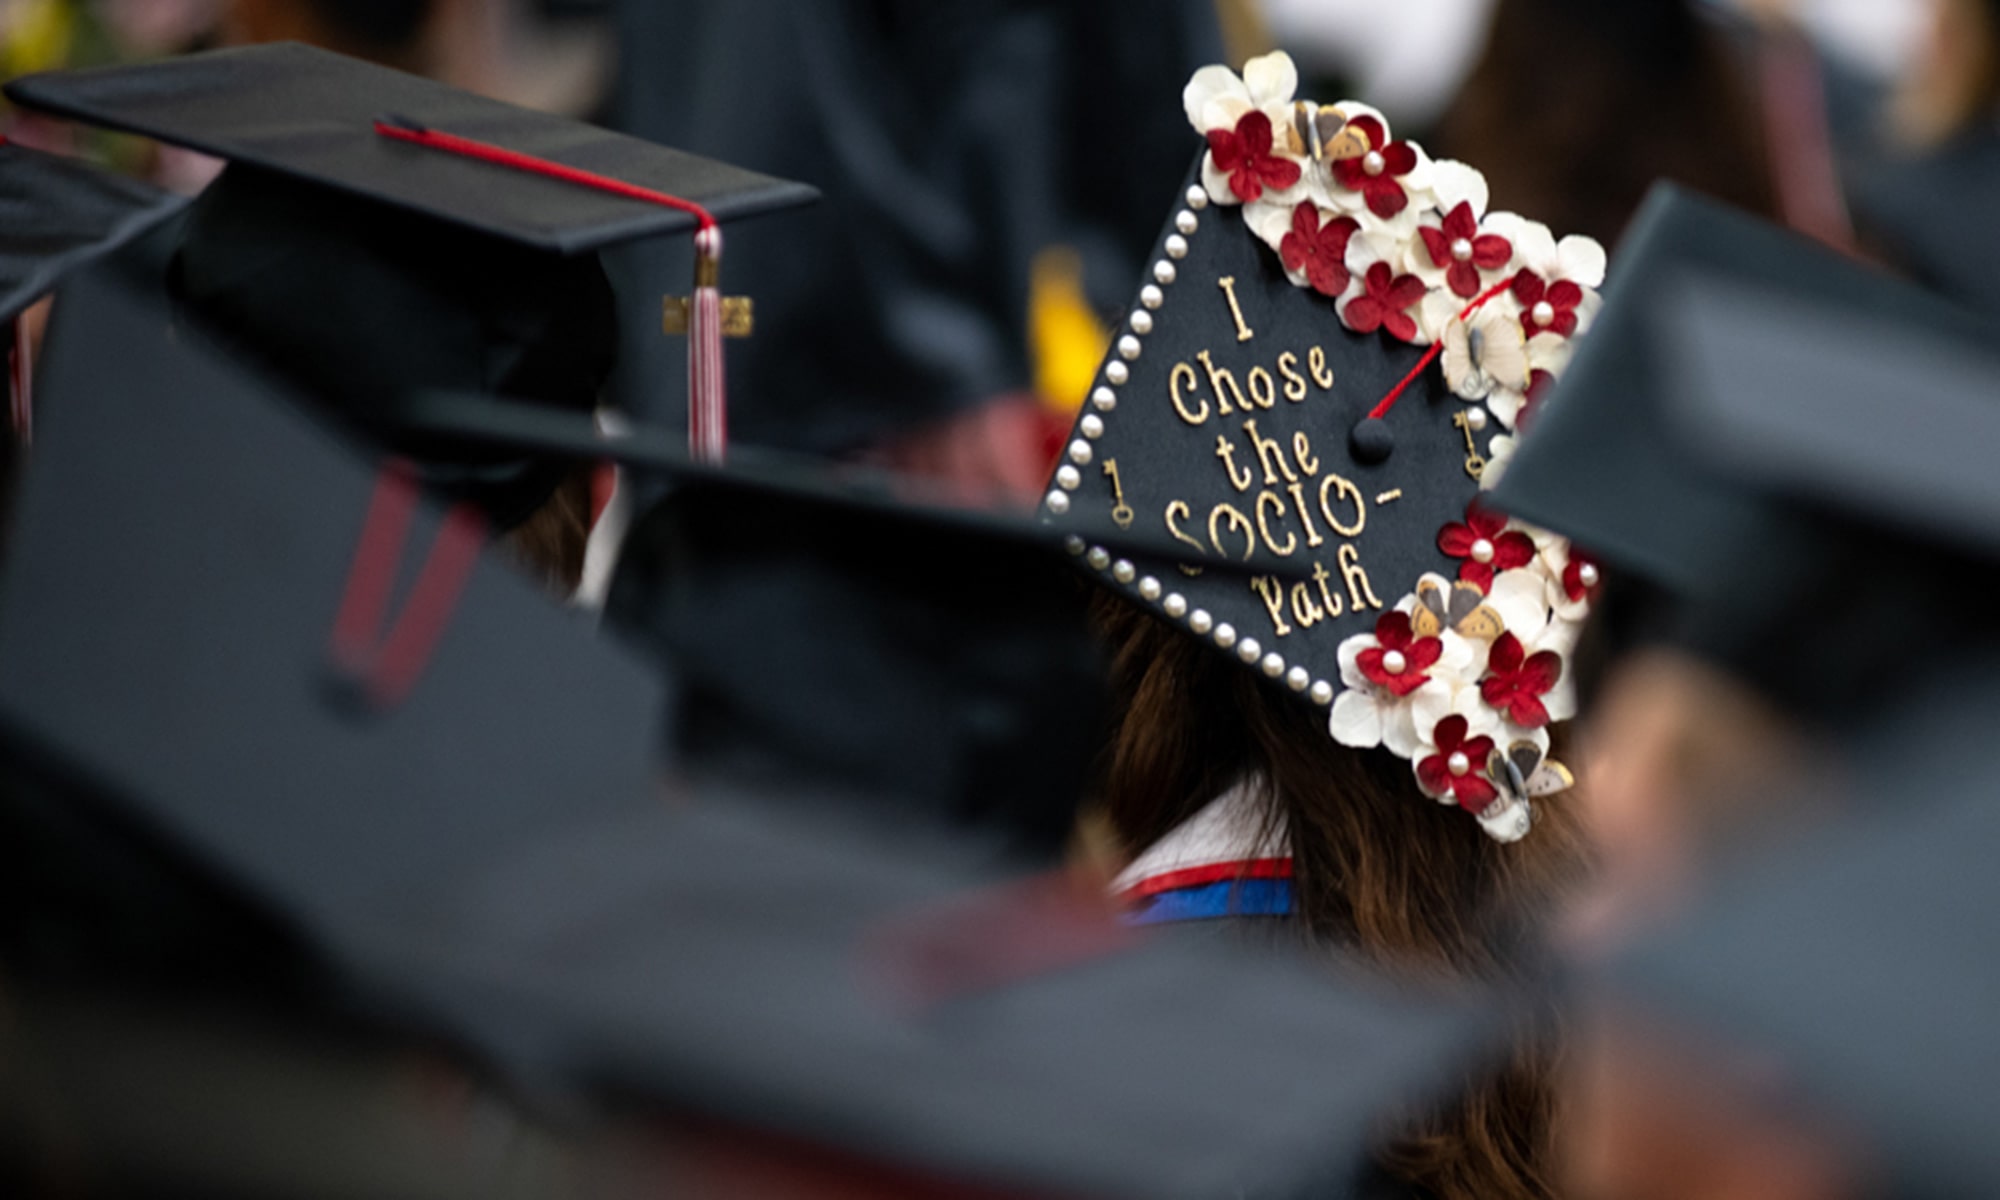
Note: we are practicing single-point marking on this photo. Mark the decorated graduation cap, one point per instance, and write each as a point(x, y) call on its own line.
point(1326, 365)
point(209, 603)
point(377, 233)
point(1855, 958)
point(58, 215)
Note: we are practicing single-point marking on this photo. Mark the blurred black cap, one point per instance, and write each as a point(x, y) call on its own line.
point(209, 605)
point(362, 267)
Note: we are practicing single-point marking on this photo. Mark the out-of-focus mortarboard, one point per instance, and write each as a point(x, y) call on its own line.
point(1272, 390)
point(378, 234)
point(58, 215)
point(1608, 463)
point(1858, 958)
point(855, 631)
point(208, 604)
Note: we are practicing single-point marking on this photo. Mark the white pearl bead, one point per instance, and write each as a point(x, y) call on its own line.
point(1105, 399)
point(1482, 551)
point(1197, 197)
point(1175, 604)
point(1164, 271)
point(1073, 544)
point(1200, 621)
point(1458, 763)
point(1058, 502)
point(1128, 347)
point(1151, 296)
point(1225, 635)
point(1462, 249)
point(1297, 678)
point(1475, 419)
point(1123, 571)
point(1250, 651)
point(1149, 588)
point(1117, 373)
point(1187, 222)
point(1322, 692)
point(1394, 662)
point(1544, 313)
point(1588, 574)
point(1176, 246)
point(1274, 665)
point(1374, 164)
point(1068, 478)
point(1099, 558)
point(1092, 425)
point(1142, 321)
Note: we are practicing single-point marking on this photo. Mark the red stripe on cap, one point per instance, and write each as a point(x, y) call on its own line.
point(404, 131)
point(1187, 877)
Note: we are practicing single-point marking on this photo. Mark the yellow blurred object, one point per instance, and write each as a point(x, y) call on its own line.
point(35, 35)
point(1065, 339)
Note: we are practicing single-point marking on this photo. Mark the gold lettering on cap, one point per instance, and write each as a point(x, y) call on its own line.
point(1174, 393)
point(1356, 579)
point(1272, 593)
point(1237, 521)
point(1228, 285)
point(1226, 451)
point(1263, 526)
point(1219, 378)
point(1321, 373)
point(1295, 383)
point(1342, 489)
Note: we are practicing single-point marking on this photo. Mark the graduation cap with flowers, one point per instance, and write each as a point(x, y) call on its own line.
point(1328, 363)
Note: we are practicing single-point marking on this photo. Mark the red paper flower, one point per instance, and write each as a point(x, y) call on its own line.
point(1517, 681)
point(1462, 252)
point(1458, 768)
point(1486, 544)
point(1400, 661)
point(1319, 251)
point(1386, 303)
point(1581, 575)
point(1547, 307)
point(1375, 173)
point(1245, 156)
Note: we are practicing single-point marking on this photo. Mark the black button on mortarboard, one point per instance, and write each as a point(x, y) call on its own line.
point(1372, 441)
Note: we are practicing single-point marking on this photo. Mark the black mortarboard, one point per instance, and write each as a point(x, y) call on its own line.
point(207, 605)
point(1271, 389)
point(378, 233)
point(1860, 956)
point(855, 631)
point(1607, 464)
point(800, 978)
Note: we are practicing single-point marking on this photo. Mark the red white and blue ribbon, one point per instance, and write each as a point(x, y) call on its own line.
point(1231, 859)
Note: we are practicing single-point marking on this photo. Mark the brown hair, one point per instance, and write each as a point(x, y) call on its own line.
point(550, 543)
point(1381, 871)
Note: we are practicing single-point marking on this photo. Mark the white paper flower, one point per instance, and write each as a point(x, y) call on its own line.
point(1485, 352)
point(1248, 161)
point(1396, 682)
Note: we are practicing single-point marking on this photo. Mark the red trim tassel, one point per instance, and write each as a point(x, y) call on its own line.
point(20, 381)
point(387, 667)
point(707, 387)
point(1388, 402)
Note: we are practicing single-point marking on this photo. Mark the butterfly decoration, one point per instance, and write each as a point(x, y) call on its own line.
point(1482, 355)
point(1323, 135)
point(1463, 610)
point(1522, 772)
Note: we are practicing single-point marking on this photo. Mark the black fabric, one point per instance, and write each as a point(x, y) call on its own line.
point(360, 307)
point(1164, 459)
point(310, 113)
point(59, 214)
point(180, 550)
point(1920, 213)
point(951, 142)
